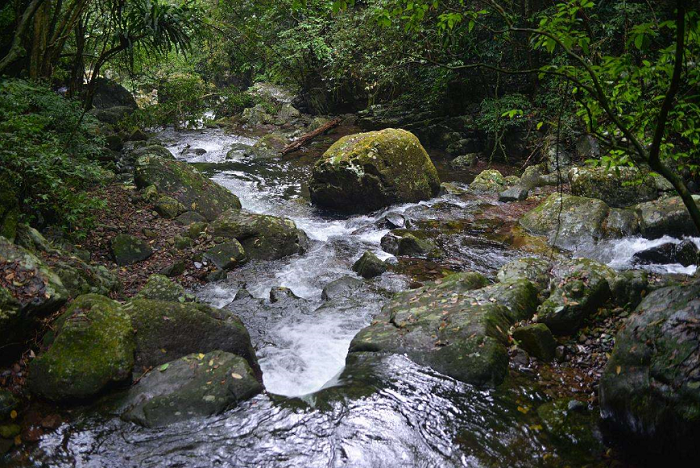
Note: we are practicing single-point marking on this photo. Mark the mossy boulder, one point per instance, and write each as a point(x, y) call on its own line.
point(666, 216)
point(161, 288)
point(369, 266)
point(29, 290)
point(263, 237)
point(257, 115)
point(80, 277)
point(343, 288)
point(536, 270)
point(568, 221)
point(93, 348)
point(185, 184)
point(407, 244)
point(464, 162)
point(109, 93)
point(518, 296)
point(372, 170)
point(127, 249)
point(580, 289)
point(619, 187)
point(446, 325)
point(489, 181)
point(268, 147)
point(168, 207)
point(166, 331)
point(9, 207)
point(650, 389)
point(196, 385)
point(537, 340)
point(228, 255)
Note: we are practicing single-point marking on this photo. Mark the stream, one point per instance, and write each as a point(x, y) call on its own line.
point(376, 411)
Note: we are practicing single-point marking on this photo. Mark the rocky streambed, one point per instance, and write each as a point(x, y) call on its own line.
point(462, 339)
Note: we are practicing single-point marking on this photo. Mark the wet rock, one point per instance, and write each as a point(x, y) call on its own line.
point(395, 221)
point(621, 223)
point(166, 331)
point(558, 158)
point(342, 288)
point(369, 266)
point(582, 287)
point(390, 243)
point(168, 207)
point(257, 115)
point(369, 171)
point(268, 147)
point(533, 269)
point(127, 249)
point(238, 150)
point(282, 294)
point(197, 385)
point(287, 115)
point(228, 255)
point(489, 181)
point(9, 207)
point(34, 291)
point(629, 287)
point(619, 187)
point(92, 349)
point(408, 245)
point(685, 253)
point(666, 216)
point(573, 427)
point(649, 392)
point(160, 288)
point(182, 182)
point(190, 217)
point(513, 194)
point(537, 340)
point(443, 326)
point(464, 162)
point(567, 221)
point(263, 237)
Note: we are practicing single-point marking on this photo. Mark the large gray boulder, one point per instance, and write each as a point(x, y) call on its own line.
point(263, 237)
point(196, 385)
point(650, 389)
point(28, 290)
point(185, 184)
point(568, 221)
point(619, 187)
point(457, 326)
point(372, 170)
point(109, 93)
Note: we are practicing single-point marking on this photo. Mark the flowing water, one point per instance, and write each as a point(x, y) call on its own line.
point(319, 412)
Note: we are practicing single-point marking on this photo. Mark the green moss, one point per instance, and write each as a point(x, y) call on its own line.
point(94, 348)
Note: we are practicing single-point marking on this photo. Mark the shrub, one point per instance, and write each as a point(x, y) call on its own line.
point(49, 148)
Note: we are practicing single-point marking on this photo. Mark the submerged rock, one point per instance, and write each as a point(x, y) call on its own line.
point(619, 187)
point(369, 266)
point(372, 170)
point(650, 389)
point(263, 237)
point(185, 184)
point(93, 348)
point(166, 331)
point(450, 325)
point(127, 249)
point(573, 427)
point(195, 385)
point(568, 221)
point(685, 253)
point(31, 291)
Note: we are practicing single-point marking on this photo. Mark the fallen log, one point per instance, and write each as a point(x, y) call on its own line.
point(300, 142)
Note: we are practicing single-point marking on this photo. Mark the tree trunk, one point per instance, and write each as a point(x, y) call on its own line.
point(304, 139)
